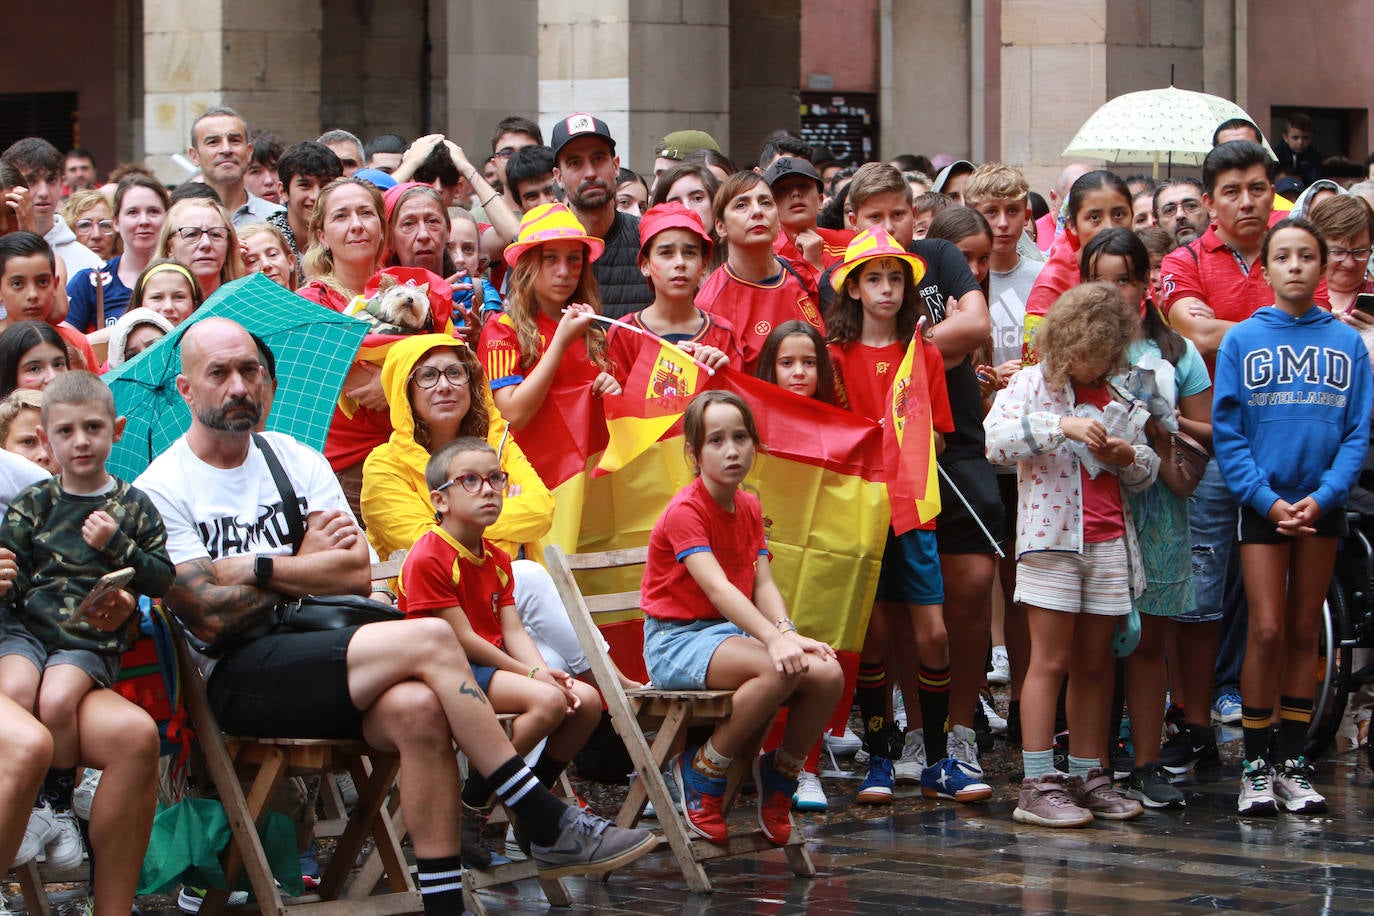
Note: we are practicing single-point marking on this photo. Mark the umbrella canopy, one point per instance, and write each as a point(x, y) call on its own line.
point(314, 347)
point(1155, 125)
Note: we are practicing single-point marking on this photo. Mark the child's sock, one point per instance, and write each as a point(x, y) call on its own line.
point(933, 690)
point(59, 784)
point(871, 694)
point(1254, 721)
point(710, 762)
point(1295, 715)
point(787, 765)
point(547, 770)
point(536, 807)
point(1079, 766)
point(441, 885)
point(1038, 764)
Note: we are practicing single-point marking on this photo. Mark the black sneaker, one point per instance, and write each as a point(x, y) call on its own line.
point(1192, 746)
point(1123, 758)
point(1150, 786)
point(1061, 752)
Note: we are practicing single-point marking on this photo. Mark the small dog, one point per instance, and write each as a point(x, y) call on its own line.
point(398, 308)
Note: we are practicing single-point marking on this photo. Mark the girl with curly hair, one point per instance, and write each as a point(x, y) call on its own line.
point(548, 336)
point(1078, 563)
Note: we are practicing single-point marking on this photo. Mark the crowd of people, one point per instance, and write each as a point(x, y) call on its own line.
point(1150, 402)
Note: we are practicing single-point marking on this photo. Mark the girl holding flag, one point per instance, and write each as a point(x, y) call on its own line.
point(881, 359)
point(1078, 563)
point(548, 336)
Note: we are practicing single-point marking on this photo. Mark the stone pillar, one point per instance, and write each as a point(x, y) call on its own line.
point(492, 69)
point(259, 57)
point(925, 106)
point(765, 73)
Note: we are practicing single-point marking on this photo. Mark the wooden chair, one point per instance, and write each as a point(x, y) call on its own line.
point(635, 712)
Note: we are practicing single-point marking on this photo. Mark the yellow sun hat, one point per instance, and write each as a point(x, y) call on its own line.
point(551, 223)
point(874, 242)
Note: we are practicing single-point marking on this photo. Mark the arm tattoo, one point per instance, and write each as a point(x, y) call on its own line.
point(213, 611)
point(472, 692)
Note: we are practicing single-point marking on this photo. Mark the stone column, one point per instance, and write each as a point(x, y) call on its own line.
point(493, 69)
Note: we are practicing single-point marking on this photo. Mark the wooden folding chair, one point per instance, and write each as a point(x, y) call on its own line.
point(267, 761)
point(635, 712)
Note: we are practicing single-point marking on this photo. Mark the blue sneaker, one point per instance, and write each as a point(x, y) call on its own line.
point(876, 789)
point(1226, 710)
point(701, 798)
point(953, 779)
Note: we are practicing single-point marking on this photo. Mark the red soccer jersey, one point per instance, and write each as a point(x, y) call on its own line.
point(499, 350)
point(694, 522)
point(624, 346)
point(753, 310)
point(865, 376)
point(440, 573)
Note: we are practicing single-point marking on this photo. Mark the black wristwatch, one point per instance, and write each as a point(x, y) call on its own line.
point(262, 570)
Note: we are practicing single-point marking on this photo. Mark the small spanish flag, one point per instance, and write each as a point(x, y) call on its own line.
point(660, 385)
point(909, 444)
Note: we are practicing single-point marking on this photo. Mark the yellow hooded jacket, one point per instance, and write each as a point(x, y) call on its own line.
point(395, 498)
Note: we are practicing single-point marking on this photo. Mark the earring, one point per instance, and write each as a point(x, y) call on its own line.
point(439, 517)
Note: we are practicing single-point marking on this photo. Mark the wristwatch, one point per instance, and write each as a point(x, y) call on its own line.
point(262, 570)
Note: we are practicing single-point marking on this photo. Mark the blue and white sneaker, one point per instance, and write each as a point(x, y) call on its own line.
point(809, 795)
point(876, 789)
point(1226, 709)
point(953, 779)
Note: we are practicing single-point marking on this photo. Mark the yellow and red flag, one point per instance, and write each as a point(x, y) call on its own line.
point(909, 444)
point(657, 390)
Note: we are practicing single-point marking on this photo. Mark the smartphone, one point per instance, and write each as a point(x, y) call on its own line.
point(105, 585)
point(1365, 303)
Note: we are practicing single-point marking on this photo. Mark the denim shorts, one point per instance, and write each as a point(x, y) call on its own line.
point(15, 639)
point(1213, 514)
point(677, 653)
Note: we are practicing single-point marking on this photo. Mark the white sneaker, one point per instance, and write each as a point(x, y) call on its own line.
point(842, 745)
point(189, 899)
point(65, 849)
point(1293, 788)
point(1000, 672)
point(41, 831)
point(1256, 789)
point(995, 722)
point(84, 794)
point(913, 760)
point(962, 745)
point(809, 795)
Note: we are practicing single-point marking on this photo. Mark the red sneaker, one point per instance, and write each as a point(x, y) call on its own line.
point(701, 798)
point(775, 799)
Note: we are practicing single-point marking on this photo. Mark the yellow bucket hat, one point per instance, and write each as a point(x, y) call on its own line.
point(874, 242)
point(551, 223)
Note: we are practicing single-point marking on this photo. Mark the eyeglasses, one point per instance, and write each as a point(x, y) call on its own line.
point(473, 482)
point(1359, 254)
point(1190, 206)
point(505, 152)
point(428, 376)
point(104, 226)
point(192, 234)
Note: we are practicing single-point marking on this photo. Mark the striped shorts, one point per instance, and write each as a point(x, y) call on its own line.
point(1097, 581)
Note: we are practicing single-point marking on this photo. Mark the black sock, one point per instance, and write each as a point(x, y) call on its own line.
point(933, 688)
point(871, 694)
point(441, 885)
point(1255, 724)
point(58, 786)
point(547, 770)
point(476, 790)
point(536, 807)
point(1295, 715)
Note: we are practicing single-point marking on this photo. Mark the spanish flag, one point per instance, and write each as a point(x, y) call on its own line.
point(660, 385)
point(909, 444)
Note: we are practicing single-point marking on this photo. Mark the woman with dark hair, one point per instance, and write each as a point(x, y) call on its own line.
point(140, 207)
point(32, 353)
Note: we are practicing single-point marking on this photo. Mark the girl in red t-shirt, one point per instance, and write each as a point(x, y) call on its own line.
point(714, 619)
point(548, 335)
point(794, 357)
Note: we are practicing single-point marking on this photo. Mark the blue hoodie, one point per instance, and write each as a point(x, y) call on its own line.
point(1290, 410)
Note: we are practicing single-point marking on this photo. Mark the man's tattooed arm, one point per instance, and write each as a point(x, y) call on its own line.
point(213, 611)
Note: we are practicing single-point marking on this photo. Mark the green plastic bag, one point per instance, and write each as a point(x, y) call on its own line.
point(189, 837)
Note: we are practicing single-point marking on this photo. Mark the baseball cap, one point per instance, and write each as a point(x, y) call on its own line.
point(953, 170)
point(671, 215)
point(578, 125)
point(682, 143)
point(1288, 185)
point(791, 167)
point(381, 179)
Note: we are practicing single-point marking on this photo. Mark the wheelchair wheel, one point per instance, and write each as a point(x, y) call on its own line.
point(1333, 671)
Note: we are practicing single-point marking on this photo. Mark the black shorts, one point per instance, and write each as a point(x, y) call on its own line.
point(1256, 529)
point(955, 530)
point(287, 685)
point(1008, 486)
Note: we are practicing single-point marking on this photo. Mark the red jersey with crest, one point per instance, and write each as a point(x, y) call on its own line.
point(864, 374)
point(440, 573)
point(499, 350)
point(624, 346)
point(755, 309)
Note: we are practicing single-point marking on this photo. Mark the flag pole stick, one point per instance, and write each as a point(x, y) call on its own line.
point(629, 327)
point(981, 527)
